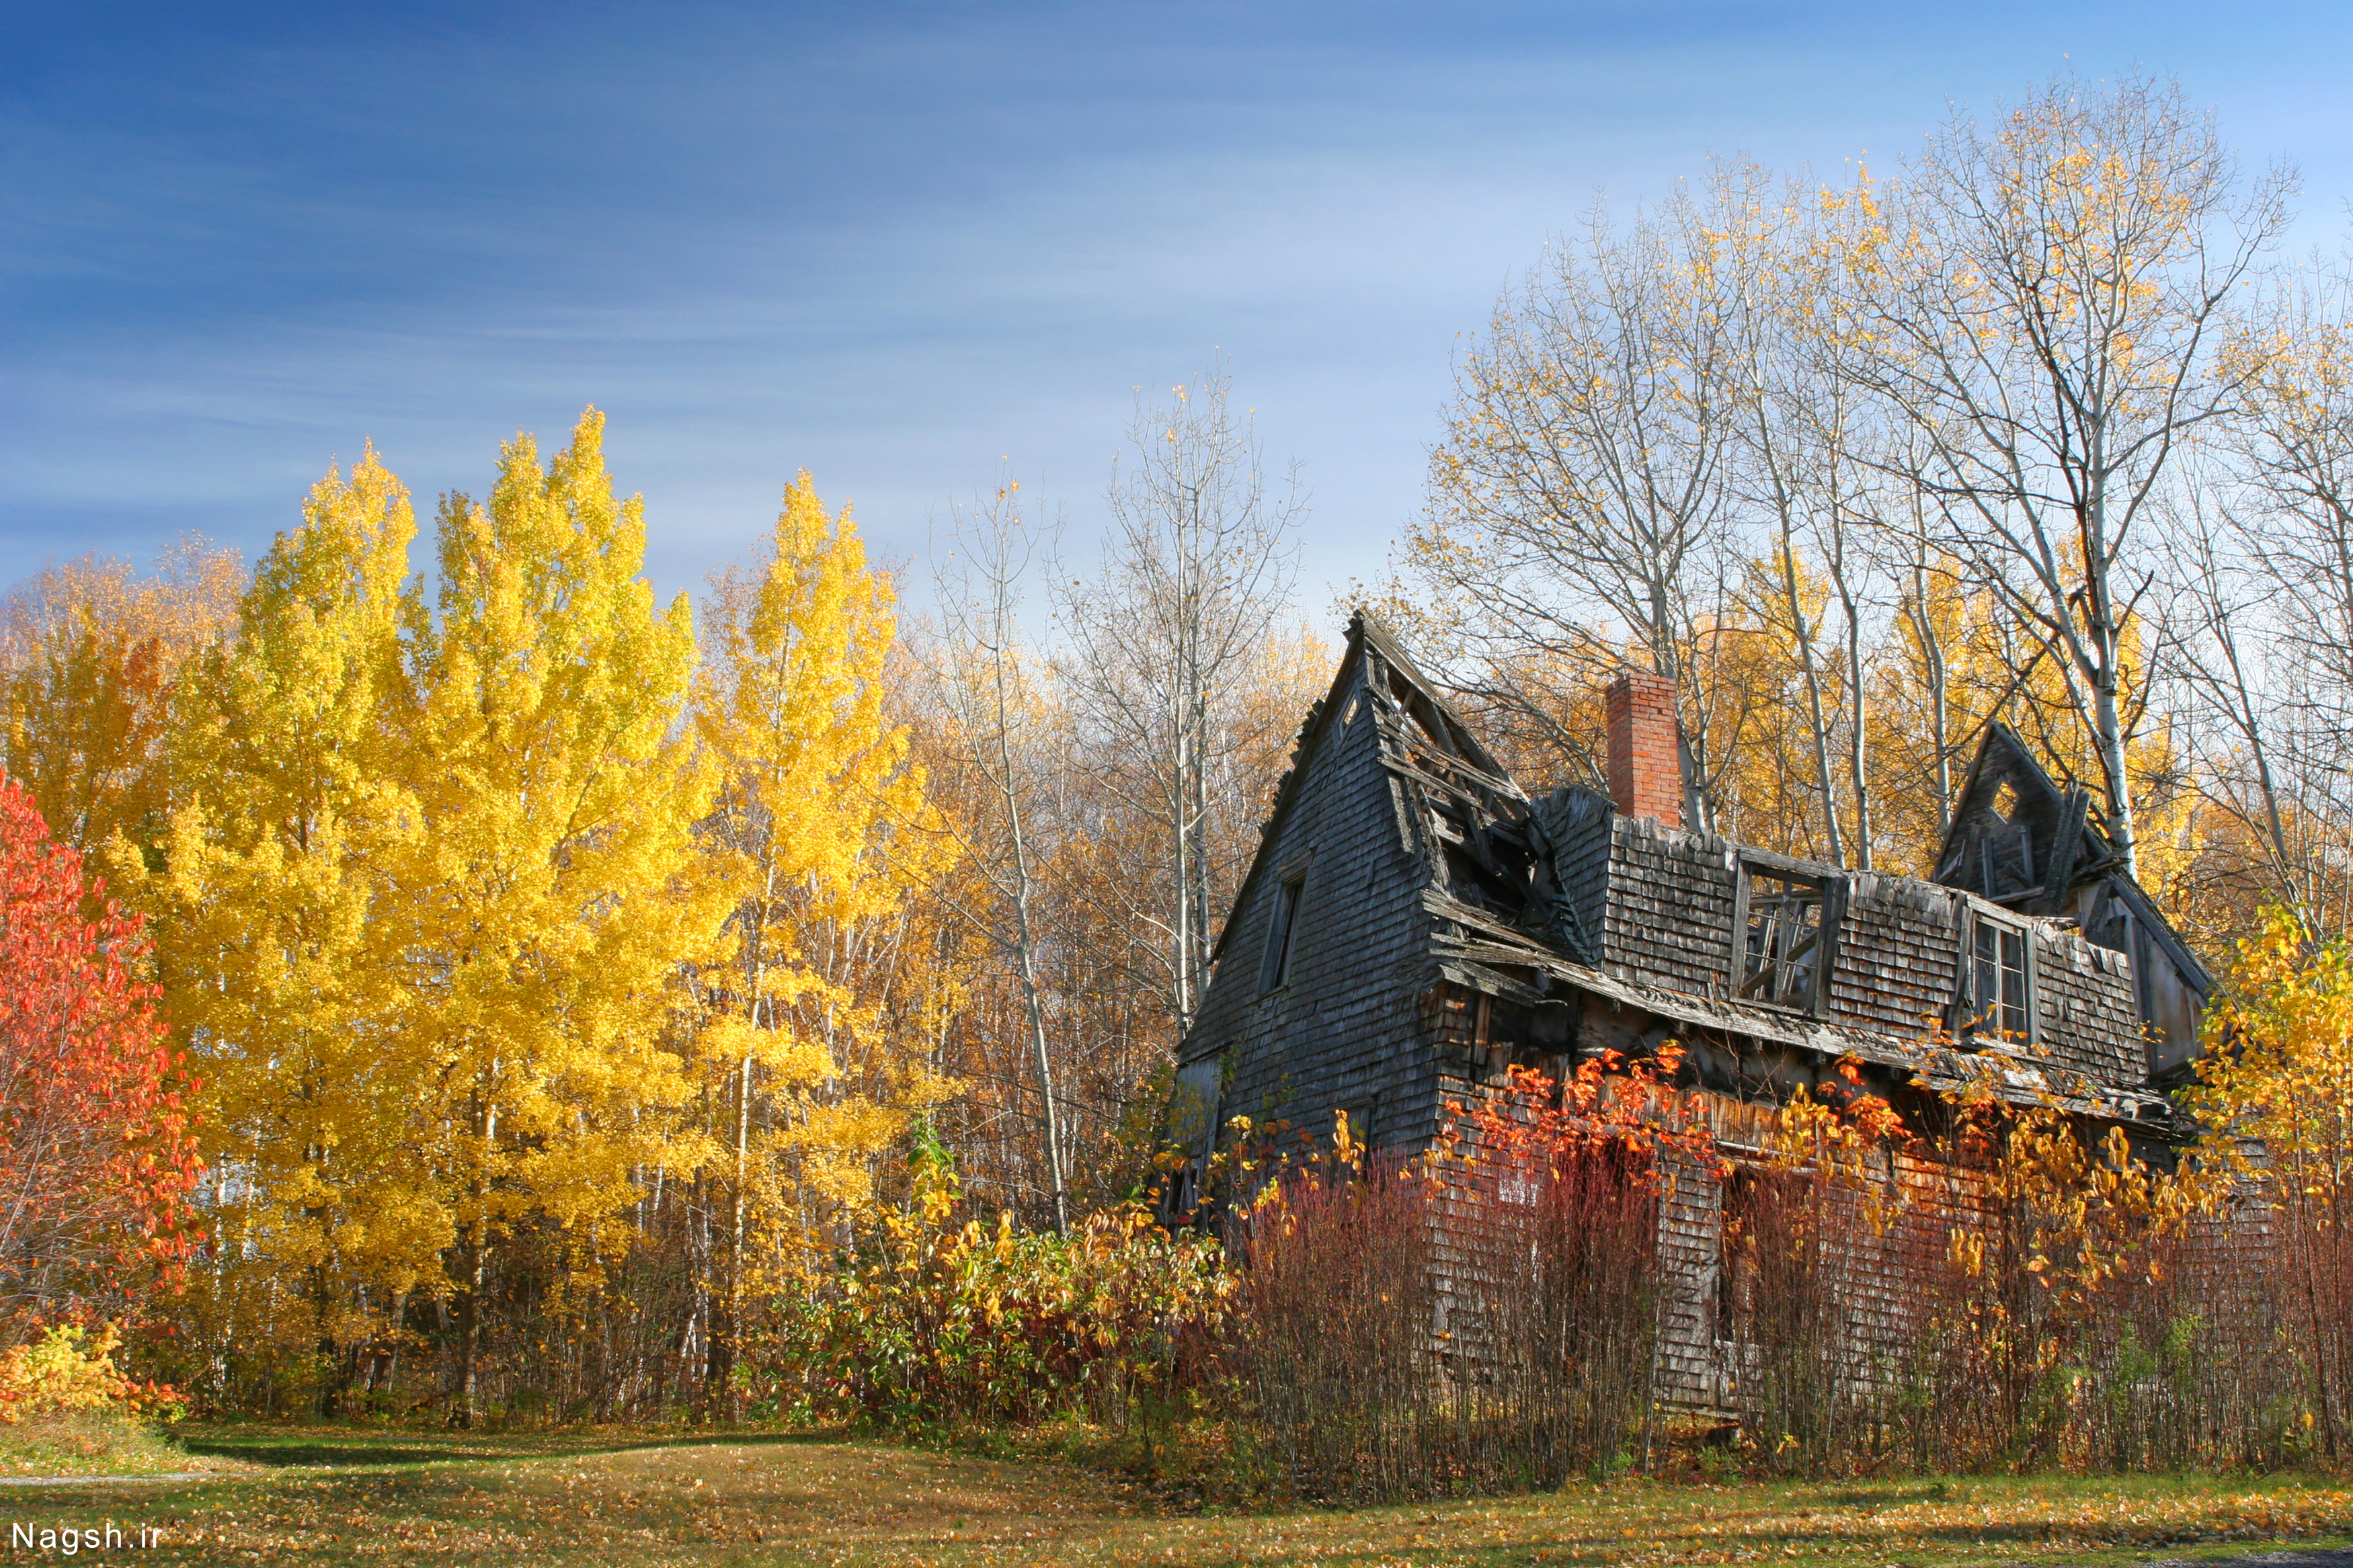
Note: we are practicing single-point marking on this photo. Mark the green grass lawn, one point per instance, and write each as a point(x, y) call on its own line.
point(338, 1495)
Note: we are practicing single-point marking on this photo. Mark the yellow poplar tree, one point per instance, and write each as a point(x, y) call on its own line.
point(261, 905)
point(553, 891)
point(814, 1079)
point(2278, 1068)
point(2274, 1098)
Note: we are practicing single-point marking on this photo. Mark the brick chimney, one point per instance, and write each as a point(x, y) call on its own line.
point(1646, 776)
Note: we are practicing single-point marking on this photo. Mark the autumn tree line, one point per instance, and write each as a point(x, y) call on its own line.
point(512, 994)
point(530, 982)
point(2038, 426)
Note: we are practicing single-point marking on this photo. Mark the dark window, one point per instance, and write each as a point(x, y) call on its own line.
point(1279, 933)
point(2005, 861)
point(1193, 1108)
point(1788, 920)
point(1999, 999)
point(1193, 1128)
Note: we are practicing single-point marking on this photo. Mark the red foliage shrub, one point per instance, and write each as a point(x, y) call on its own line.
point(1610, 1102)
point(96, 1151)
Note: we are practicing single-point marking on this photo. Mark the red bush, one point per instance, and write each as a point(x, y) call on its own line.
point(97, 1152)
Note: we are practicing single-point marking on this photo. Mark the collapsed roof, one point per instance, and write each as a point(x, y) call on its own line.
point(1550, 902)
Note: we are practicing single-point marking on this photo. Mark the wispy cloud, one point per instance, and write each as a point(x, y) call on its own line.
point(888, 243)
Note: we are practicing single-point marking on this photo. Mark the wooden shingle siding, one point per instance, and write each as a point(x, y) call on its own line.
point(1691, 1246)
point(1578, 830)
point(2085, 994)
point(1897, 960)
point(1669, 906)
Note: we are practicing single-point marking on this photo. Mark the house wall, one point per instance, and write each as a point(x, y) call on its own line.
point(1688, 1368)
point(2170, 996)
point(1669, 919)
point(1898, 961)
point(1881, 1274)
point(1578, 824)
point(1348, 1026)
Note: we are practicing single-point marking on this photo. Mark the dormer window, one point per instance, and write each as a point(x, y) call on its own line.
point(1998, 979)
point(1785, 930)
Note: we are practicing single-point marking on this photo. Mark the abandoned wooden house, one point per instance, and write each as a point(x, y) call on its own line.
point(1417, 921)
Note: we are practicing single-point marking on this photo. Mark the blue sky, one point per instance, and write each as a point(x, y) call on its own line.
point(893, 242)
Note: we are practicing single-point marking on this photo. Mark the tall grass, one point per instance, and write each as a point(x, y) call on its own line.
point(1409, 1331)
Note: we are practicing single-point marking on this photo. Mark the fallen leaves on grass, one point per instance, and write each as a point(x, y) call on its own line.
point(743, 1501)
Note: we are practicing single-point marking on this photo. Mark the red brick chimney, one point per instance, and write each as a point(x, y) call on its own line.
point(1646, 776)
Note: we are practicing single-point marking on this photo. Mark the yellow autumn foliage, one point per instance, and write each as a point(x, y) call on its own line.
point(470, 908)
point(2274, 1086)
point(809, 1075)
point(90, 655)
point(66, 1369)
point(290, 799)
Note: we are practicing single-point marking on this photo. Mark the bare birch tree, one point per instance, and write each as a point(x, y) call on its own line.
point(995, 730)
point(1806, 427)
point(2224, 644)
point(2050, 296)
point(1198, 568)
point(2260, 613)
point(1582, 498)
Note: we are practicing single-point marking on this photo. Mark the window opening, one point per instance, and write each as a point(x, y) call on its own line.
point(1193, 1127)
point(2000, 993)
point(1786, 933)
point(1280, 933)
point(1433, 726)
